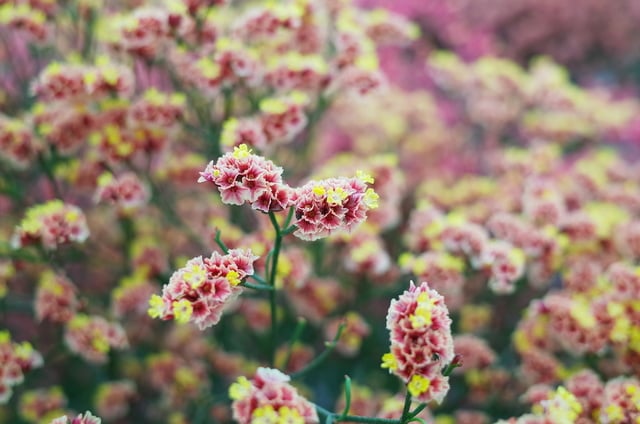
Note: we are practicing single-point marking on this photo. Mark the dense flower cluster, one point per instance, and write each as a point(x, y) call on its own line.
point(326, 206)
point(269, 397)
point(245, 177)
point(201, 290)
point(421, 342)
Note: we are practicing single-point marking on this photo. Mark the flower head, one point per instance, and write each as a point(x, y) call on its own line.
point(421, 342)
point(269, 398)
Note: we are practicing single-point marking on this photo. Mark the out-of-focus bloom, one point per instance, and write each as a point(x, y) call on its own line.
point(7, 270)
point(248, 131)
point(178, 379)
point(476, 352)
point(92, 337)
point(330, 205)
point(131, 296)
point(51, 224)
point(621, 402)
point(18, 145)
point(55, 298)
point(86, 418)
point(506, 263)
point(126, 191)
point(421, 342)
point(282, 118)
point(112, 399)
point(355, 330)
point(200, 291)
point(299, 356)
point(65, 127)
point(269, 398)
point(42, 404)
point(26, 20)
point(158, 109)
point(317, 298)
point(244, 177)
point(17, 359)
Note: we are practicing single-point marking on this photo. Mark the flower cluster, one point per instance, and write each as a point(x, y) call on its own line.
point(326, 206)
point(17, 359)
point(51, 224)
point(421, 342)
point(269, 398)
point(245, 177)
point(201, 290)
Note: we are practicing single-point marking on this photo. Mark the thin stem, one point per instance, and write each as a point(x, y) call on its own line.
point(406, 408)
point(272, 282)
point(333, 417)
point(220, 243)
point(416, 411)
point(294, 339)
point(347, 396)
point(261, 287)
point(320, 358)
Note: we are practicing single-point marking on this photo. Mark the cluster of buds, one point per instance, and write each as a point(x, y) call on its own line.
point(17, 359)
point(269, 398)
point(421, 342)
point(51, 224)
point(201, 290)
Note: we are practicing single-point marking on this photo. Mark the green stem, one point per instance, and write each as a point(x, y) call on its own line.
point(333, 417)
point(406, 408)
point(320, 358)
point(296, 336)
point(272, 282)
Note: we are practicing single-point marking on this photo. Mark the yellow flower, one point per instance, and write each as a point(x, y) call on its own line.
point(182, 311)
point(156, 306)
point(418, 385)
point(240, 389)
point(389, 361)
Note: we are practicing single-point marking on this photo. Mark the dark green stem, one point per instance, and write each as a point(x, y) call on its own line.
point(275, 253)
point(406, 408)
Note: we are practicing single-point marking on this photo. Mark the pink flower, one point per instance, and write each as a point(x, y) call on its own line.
point(269, 396)
point(335, 204)
point(201, 290)
point(421, 342)
point(16, 361)
point(243, 177)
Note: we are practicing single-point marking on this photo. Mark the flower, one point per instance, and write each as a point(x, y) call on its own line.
point(200, 291)
point(330, 205)
point(86, 418)
point(243, 177)
point(421, 342)
point(269, 398)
